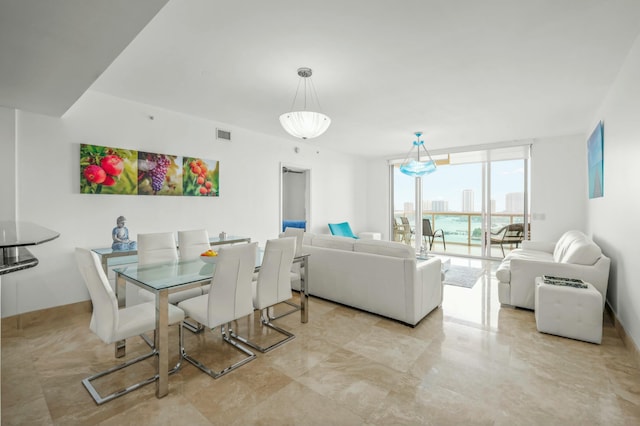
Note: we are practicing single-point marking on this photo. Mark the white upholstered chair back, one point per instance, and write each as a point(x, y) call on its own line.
point(161, 247)
point(274, 280)
point(298, 233)
point(156, 247)
point(230, 296)
point(191, 244)
point(104, 321)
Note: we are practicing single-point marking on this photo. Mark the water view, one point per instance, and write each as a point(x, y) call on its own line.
point(461, 228)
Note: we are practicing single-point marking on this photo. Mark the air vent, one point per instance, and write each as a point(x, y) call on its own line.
point(224, 135)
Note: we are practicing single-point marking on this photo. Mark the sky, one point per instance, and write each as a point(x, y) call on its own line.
point(448, 182)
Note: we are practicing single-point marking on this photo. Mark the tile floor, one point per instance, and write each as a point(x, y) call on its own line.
point(470, 362)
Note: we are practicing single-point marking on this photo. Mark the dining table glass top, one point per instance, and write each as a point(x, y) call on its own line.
point(165, 275)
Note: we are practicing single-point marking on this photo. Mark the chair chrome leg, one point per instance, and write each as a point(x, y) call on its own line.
point(216, 374)
point(264, 319)
point(296, 308)
point(193, 327)
point(179, 364)
point(102, 399)
point(150, 342)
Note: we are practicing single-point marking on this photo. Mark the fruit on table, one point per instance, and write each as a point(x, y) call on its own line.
point(209, 253)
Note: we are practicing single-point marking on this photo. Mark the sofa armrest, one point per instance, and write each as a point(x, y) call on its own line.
point(429, 280)
point(545, 246)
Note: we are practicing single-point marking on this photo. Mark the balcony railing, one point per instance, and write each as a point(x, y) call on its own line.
point(460, 228)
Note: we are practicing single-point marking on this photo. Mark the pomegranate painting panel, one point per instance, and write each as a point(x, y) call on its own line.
point(106, 170)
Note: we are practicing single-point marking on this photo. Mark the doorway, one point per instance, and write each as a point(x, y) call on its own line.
point(295, 200)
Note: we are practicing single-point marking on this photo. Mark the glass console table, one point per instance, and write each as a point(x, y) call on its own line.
point(446, 262)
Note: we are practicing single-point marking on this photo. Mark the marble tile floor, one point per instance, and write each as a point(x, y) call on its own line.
point(470, 362)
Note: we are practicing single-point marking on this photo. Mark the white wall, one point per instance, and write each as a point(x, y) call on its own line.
point(558, 186)
point(48, 182)
point(378, 199)
point(614, 220)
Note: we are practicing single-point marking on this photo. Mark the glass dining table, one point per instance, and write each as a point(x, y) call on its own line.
point(107, 253)
point(165, 278)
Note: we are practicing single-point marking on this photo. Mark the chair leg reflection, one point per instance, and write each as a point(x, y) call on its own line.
point(265, 320)
point(225, 332)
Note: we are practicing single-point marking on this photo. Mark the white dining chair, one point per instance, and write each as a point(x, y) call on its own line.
point(112, 324)
point(273, 287)
point(161, 247)
point(192, 243)
point(229, 299)
point(156, 247)
point(297, 271)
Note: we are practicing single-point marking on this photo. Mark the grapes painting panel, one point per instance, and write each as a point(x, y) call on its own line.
point(200, 177)
point(107, 170)
point(159, 174)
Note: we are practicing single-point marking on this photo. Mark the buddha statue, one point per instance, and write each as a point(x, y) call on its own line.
point(120, 235)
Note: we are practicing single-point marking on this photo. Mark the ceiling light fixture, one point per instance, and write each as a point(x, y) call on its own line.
point(420, 166)
point(300, 122)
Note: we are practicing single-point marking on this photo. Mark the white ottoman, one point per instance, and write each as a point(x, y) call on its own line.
point(569, 311)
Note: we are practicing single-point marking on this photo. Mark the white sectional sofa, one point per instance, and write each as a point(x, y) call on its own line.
point(574, 255)
point(381, 277)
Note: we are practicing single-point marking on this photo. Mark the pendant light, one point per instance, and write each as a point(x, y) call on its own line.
point(303, 123)
point(416, 165)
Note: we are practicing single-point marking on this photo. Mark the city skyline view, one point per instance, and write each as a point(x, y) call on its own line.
point(449, 185)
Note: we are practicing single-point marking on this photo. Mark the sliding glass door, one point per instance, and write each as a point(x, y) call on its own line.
point(508, 202)
point(470, 198)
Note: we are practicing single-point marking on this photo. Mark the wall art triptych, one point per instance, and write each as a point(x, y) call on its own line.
point(108, 170)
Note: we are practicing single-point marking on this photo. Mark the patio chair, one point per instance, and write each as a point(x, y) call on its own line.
point(400, 232)
point(510, 234)
point(408, 231)
point(430, 234)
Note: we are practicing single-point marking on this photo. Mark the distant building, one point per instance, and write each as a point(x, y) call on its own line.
point(408, 208)
point(439, 206)
point(493, 206)
point(467, 200)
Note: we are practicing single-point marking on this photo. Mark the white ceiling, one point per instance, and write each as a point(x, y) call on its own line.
point(462, 71)
point(51, 51)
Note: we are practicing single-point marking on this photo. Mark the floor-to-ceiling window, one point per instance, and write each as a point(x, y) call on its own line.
point(471, 198)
